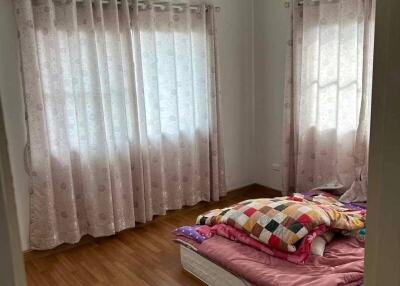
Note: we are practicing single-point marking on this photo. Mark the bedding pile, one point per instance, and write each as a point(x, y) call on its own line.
point(285, 228)
point(282, 222)
point(342, 264)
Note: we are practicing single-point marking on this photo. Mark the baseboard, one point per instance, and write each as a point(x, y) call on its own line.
point(266, 188)
point(240, 187)
point(29, 254)
point(252, 186)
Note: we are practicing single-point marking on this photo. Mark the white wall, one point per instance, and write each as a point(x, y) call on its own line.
point(12, 271)
point(235, 45)
point(12, 100)
point(235, 42)
point(271, 32)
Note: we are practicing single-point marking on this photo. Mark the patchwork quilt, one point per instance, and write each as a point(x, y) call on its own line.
point(284, 221)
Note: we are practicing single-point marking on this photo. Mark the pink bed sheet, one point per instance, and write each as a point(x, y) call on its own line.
point(342, 264)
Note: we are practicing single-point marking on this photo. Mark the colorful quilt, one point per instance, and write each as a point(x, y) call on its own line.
point(284, 221)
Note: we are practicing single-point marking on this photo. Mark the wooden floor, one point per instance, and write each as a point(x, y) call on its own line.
point(144, 255)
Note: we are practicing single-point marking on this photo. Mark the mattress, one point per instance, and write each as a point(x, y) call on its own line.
point(207, 271)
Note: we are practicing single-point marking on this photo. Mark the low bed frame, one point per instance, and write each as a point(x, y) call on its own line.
point(207, 271)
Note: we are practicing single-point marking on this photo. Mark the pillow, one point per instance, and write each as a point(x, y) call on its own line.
point(319, 243)
point(190, 232)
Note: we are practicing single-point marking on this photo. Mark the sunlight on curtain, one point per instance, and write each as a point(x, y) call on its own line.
point(122, 104)
point(328, 95)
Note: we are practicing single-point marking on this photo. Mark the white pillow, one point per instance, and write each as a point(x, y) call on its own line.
point(319, 243)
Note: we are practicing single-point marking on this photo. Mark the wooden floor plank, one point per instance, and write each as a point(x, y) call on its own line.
point(144, 255)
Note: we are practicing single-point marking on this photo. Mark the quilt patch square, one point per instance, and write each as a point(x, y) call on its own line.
point(304, 219)
point(272, 226)
point(287, 234)
point(250, 211)
point(256, 231)
point(274, 241)
point(279, 217)
point(295, 227)
point(242, 219)
point(303, 209)
point(250, 223)
point(279, 232)
point(265, 235)
point(288, 221)
point(281, 207)
point(272, 213)
point(274, 204)
point(265, 209)
point(257, 215)
point(264, 220)
point(291, 210)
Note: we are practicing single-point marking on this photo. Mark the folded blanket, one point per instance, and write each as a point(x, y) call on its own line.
point(282, 222)
point(299, 256)
point(198, 234)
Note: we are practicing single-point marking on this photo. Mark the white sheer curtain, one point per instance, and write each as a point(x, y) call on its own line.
point(328, 96)
point(122, 111)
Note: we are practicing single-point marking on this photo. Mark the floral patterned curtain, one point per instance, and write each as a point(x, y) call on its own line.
point(328, 96)
point(122, 107)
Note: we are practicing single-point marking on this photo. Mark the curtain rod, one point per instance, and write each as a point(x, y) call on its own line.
point(301, 2)
point(161, 5)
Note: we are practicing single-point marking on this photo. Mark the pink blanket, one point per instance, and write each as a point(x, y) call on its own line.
point(299, 256)
point(342, 264)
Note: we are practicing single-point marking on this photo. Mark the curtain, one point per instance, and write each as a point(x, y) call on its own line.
point(328, 97)
point(122, 105)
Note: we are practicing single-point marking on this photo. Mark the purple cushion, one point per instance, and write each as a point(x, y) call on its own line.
point(190, 232)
